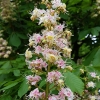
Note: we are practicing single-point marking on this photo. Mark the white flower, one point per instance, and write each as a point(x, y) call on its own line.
point(48, 18)
point(93, 98)
point(91, 84)
point(59, 28)
point(56, 3)
point(37, 12)
point(93, 74)
point(98, 1)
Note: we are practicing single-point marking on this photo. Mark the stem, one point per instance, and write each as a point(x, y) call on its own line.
point(39, 88)
point(47, 90)
point(47, 85)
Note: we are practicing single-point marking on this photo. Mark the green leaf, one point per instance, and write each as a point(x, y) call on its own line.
point(18, 80)
point(52, 88)
point(6, 68)
point(42, 83)
point(23, 88)
point(7, 65)
point(73, 82)
point(94, 31)
point(98, 84)
point(73, 2)
point(89, 68)
point(64, 1)
point(84, 33)
point(22, 36)
point(96, 60)
point(14, 40)
point(13, 83)
point(16, 72)
point(42, 6)
point(6, 97)
point(2, 62)
point(89, 58)
point(96, 68)
point(98, 28)
point(85, 5)
point(5, 71)
point(64, 16)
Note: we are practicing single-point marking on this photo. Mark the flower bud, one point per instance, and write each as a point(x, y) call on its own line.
point(31, 43)
point(98, 77)
point(67, 51)
point(82, 71)
point(8, 47)
point(33, 18)
point(93, 97)
point(2, 48)
point(69, 67)
point(1, 54)
point(50, 38)
point(51, 58)
point(4, 43)
point(64, 5)
point(60, 82)
point(8, 52)
point(1, 39)
point(6, 56)
point(28, 54)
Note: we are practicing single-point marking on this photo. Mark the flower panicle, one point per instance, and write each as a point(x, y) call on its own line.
point(49, 46)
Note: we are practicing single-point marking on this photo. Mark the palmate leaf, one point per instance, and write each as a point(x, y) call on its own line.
point(84, 33)
point(6, 68)
point(95, 31)
point(14, 40)
point(89, 58)
point(73, 2)
point(6, 97)
point(73, 82)
point(13, 83)
point(23, 88)
point(64, 1)
point(96, 60)
point(42, 83)
point(16, 72)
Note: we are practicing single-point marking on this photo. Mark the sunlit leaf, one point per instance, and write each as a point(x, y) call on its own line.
point(74, 82)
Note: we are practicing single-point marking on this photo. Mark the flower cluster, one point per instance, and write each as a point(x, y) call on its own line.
point(91, 80)
point(33, 80)
point(94, 77)
point(63, 93)
point(7, 10)
point(5, 50)
point(51, 46)
point(96, 11)
point(35, 94)
point(53, 76)
point(38, 64)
